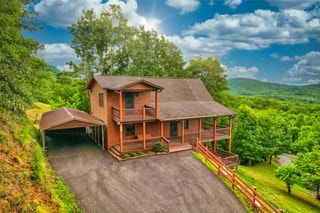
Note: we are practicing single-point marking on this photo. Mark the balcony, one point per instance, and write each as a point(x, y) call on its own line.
point(146, 113)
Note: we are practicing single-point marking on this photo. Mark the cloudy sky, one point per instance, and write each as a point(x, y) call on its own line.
point(271, 40)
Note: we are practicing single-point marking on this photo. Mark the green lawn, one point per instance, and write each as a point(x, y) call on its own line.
point(275, 191)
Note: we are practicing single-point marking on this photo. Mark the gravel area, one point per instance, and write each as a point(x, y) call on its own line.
point(164, 183)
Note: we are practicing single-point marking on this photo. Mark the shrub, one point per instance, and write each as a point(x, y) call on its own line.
point(149, 153)
point(124, 156)
point(140, 153)
point(158, 147)
point(133, 154)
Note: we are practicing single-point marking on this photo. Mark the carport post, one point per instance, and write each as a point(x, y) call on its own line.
point(102, 134)
point(43, 134)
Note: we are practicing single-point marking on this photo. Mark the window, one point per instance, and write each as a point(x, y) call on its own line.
point(129, 100)
point(101, 102)
point(186, 124)
point(129, 129)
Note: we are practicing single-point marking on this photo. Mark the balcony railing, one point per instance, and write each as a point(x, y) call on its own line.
point(146, 113)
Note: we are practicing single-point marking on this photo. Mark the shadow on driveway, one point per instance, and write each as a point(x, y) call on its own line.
point(165, 183)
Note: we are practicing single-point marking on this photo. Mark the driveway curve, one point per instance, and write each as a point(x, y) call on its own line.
point(164, 183)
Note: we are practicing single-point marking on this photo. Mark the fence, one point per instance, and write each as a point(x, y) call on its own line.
point(256, 200)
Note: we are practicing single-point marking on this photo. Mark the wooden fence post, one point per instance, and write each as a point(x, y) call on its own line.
point(207, 153)
point(254, 198)
point(197, 143)
point(233, 178)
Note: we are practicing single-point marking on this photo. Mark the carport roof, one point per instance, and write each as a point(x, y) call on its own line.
point(66, 118)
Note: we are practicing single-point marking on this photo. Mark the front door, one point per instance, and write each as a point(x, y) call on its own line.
point(173, 128)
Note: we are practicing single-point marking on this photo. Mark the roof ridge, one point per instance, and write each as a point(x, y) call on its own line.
point(68, 112)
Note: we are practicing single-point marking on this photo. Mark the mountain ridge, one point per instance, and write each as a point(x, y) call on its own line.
point(252, 87)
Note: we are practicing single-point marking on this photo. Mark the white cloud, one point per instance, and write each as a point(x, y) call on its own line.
point(232, 3)
point(64, 68)
point(296, 4)
point(313, 81)
point(306, 70)
point(241, 72)
point(58, 54)
point(250, 31)
point(62, 13)
point(184, 5)
point(284, 58)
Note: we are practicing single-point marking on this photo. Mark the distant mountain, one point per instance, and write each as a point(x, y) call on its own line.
point(251, 87)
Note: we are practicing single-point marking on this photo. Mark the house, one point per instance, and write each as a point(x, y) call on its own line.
point(139, 111)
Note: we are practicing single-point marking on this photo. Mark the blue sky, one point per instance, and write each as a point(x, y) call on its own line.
point(271, 40)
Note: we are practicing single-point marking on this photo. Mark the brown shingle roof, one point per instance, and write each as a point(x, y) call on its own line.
point(66, 118)
point(181, 98)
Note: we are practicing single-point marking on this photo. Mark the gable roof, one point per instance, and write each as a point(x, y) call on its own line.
point(66, 118)
point(120, 82)
point(180, 98)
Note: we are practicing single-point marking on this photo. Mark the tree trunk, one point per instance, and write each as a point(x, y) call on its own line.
point(289, 188)
point(318, 194)
point(270, 159)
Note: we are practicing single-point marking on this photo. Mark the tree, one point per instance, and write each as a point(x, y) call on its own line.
point(19, 68)
point(309, 166)
point(210, 72)
point(289, 174)
point(100, 41)
point(153, 55)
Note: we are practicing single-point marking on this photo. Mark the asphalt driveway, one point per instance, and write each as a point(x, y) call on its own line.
point(164, 183)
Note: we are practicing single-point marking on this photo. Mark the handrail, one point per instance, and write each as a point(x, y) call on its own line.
point(166, 143)
point(257, 201)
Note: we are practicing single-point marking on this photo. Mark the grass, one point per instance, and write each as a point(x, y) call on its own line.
point(275, 191)
point(28, 183)
point(271, 188)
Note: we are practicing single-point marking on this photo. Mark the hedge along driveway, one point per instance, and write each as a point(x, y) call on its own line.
point(165, 183)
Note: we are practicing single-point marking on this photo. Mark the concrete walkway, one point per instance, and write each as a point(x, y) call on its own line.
point(164, 183)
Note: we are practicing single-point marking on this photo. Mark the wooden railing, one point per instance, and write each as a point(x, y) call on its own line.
point(134, 114)
point(256, 200)
point(220, 130)
point(228, 158)
point(166, 143)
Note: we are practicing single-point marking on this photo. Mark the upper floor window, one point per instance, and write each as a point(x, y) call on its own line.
point(129, 100)
point(101, 101)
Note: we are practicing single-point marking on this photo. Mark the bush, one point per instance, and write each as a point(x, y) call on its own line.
point(124, 156)
point(133, 154)
point(149, 153)
point(158, 147)
point(140, 153)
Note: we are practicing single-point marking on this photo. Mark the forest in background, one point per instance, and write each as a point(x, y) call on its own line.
point(263, 128)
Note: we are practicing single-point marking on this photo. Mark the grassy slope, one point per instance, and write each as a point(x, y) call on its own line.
point(272, 189)
point(28, 183)
point(251, 87)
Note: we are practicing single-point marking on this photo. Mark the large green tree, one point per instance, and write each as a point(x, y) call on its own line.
point(210, 71)
point(289, 174)
point(100, 41)
point(19, 68)
point(153, 55)
point(309, 166)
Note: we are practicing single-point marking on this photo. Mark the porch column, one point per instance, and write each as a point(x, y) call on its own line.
point(157, 103)
point(161, 128)
point(182, 131)
point(214, 135)
point(200, 129)
point(144, 128)
point(43, 134)
point(121, 138)
point(230, 133)
point(120, 106)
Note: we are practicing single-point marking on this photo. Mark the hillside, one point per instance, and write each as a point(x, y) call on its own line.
point(28, 183)
point(251, 87)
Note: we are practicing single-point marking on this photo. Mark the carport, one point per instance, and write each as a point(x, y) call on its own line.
point(66, 118)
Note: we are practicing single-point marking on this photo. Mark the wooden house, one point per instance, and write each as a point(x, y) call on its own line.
point(140, 111)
